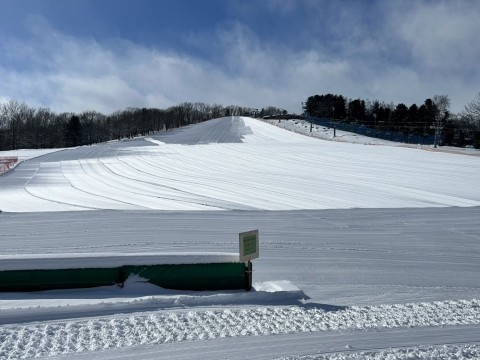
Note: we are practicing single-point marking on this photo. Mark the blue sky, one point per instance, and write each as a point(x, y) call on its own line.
point(106, 55)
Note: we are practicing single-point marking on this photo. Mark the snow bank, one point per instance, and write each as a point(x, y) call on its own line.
point(137, 295)
point(25, 154)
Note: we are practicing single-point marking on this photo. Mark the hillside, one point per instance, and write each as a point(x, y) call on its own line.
point(366, 251)
point(247, 165)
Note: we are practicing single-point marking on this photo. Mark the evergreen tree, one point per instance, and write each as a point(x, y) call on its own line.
point(357, 110)
point(327, 106)
point(73, 132)
point(400, 118)
point(412, 120)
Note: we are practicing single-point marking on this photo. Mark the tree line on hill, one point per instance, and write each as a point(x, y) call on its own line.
point(432, 118)
point(25, 127)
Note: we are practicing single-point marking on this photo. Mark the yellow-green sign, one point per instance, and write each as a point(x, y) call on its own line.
point(249, 245)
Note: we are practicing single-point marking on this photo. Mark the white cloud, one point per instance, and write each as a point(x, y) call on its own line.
point(70, 74)
point(76, 74)
point(442, 34)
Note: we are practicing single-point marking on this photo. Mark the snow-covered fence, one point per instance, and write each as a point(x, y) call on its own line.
point(372, 132)
point(6, 163)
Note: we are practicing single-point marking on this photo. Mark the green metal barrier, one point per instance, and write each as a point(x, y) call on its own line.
point(36, 280)
point(214, 276)
point(184, 271)
point(218, 276)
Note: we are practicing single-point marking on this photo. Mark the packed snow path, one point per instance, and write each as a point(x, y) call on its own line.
point(238, 163)
point(54, 338)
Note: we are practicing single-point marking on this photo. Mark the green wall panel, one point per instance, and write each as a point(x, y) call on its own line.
point(218, 276)
point(215, 276)
point(35, 280)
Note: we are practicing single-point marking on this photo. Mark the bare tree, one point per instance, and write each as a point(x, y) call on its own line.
point(36, 127)
point(16, 114)
point(92, 122)
point(442, 113)
point(472, 114)
point(472, 109)
point(3, 128)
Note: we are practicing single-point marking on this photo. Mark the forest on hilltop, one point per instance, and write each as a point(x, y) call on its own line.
point(431, 119)
point(25, 127)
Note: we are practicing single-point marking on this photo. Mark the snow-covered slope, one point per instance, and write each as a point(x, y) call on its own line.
point(396, 277)
point(270, 169)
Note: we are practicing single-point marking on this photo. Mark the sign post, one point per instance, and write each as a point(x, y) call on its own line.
point(249, 250)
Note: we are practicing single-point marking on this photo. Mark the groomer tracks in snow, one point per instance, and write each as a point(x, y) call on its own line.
point(238, 164)
point(76, 336)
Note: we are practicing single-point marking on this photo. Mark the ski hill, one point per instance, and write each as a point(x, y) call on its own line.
point(238, 164)
point(367, 251)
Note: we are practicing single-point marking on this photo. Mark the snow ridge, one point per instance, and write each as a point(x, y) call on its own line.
point(75, 336)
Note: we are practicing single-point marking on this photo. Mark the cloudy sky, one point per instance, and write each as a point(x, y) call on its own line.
point(107, 55)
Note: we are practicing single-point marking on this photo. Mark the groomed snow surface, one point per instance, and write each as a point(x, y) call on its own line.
point(199, 168)
point(367, 251)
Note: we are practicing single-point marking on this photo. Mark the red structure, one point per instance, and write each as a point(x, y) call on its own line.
point(6, 163)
